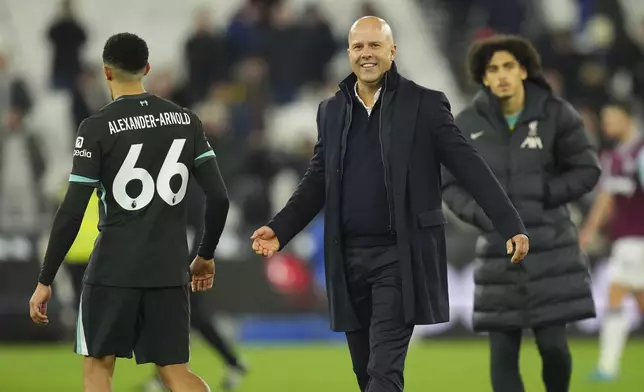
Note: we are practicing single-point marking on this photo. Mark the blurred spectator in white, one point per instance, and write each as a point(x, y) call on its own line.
point(206, 56)
point(22, 166)
point(22, 163)
point(294, 125)
point(67, 37)
point(13, 90)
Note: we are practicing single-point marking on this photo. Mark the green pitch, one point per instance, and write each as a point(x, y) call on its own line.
point(440, 365)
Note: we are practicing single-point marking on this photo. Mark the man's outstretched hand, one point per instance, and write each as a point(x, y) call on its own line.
point(265, 242)
point(519, 244)
point(203, 274)
point(38, 304)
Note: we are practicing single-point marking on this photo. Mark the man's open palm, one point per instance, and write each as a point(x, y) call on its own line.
point(265, 241)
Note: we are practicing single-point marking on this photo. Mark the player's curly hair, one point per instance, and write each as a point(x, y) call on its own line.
point(127, 53)
point(481, 51)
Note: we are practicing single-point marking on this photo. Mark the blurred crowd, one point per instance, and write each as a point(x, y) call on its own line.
point(266, 71)
point(266, 57)
point(592, 53)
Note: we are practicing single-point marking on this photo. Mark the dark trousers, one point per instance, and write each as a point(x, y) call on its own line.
point(378, 350)
point(555, 356)
point(199, 317)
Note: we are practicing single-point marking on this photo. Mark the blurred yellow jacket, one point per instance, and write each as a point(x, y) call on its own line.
point(84, 244)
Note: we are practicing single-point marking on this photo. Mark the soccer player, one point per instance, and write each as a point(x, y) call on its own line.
point(536, 144)
point(139, 151)
point(621, 194)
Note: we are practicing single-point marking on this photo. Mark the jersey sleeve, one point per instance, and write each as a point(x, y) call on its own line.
point(86, 167)
point(203, 150)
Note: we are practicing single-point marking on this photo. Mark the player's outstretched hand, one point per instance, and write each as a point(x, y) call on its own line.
point(203, 274)
point(38, 304)
point(265, 242)
point(519, 244)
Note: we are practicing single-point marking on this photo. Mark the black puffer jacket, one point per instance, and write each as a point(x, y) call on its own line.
point(546, 162)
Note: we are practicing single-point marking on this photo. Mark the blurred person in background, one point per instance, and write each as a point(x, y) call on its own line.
point(22, 166)
point(200, 318)
point(536, 145)
point(164, 84)
point(22, 161)
point(319, 45)
point(250, 97)
point(206, 57)
point(284, 53)
point(620, 206)
point(376, 172)
point(14, 94)
point(88, 95)
point(67, 37)
point(244, 33)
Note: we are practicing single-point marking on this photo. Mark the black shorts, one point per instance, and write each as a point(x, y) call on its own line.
point(152, 322)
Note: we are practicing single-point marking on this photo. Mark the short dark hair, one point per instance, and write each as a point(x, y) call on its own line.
point(127, 52)
point(623, 105)
point(481, 51)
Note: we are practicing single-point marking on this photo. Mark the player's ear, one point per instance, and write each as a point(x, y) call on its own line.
point(147, 69)
point(108, 73)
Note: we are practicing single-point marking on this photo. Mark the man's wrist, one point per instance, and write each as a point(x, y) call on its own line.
point(206, 255)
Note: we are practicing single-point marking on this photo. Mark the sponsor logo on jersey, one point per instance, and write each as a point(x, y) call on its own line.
point(79, 142)
point(83, 153)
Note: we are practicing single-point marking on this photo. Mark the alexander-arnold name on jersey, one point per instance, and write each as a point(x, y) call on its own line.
point(148, 121)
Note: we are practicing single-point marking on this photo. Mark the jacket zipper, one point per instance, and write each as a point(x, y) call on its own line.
point(382, 155)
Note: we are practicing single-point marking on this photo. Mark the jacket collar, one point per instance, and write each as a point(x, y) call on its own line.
point(390, 81)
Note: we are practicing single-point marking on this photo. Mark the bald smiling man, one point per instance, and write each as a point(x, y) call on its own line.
point(376, 171)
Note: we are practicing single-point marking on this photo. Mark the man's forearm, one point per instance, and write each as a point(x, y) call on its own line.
point(306, 202)
point(470, 169)
point(67, 223)
point(217, 205)
point(309, 197)
point(462, 204)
